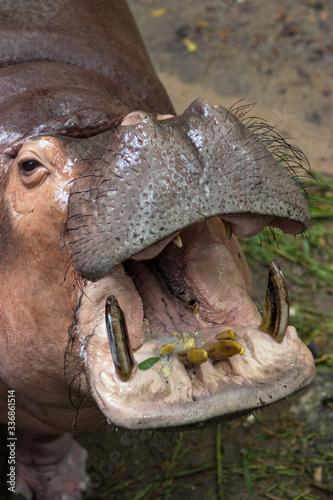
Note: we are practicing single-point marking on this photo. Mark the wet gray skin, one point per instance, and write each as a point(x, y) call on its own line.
point(154, 178)
point(149, 181)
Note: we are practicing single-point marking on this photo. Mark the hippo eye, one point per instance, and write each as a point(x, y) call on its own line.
point(29, 166)
point(32, 172)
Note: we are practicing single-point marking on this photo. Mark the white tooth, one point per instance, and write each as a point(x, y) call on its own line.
point(178, 241)
point(275, 316)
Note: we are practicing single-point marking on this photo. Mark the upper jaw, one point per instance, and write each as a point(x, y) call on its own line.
point(155, 178)
point(173, 393)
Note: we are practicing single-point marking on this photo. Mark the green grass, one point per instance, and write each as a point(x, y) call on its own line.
point(272, 457)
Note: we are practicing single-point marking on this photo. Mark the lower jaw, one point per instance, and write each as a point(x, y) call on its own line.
point(172, 393)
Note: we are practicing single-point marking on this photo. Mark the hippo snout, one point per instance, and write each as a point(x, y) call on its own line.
point(153, 178)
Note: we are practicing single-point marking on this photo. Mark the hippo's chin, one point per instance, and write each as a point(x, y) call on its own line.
point(174, 305)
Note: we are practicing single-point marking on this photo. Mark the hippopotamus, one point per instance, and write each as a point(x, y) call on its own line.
point(126, 297)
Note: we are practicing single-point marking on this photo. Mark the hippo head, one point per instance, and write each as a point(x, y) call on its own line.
point(128, 241)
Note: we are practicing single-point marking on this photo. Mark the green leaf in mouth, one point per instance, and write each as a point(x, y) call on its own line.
point(148, 363)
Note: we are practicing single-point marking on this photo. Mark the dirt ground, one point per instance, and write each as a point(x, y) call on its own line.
point(275, 53)
point(278, 54)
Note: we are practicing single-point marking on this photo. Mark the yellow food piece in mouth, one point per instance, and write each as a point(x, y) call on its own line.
point(219, 349)
point(167, 349)
point(194, 356)
point(227, 334)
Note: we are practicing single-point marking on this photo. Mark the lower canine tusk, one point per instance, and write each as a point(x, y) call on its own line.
point(275, 316)
point(120, 345)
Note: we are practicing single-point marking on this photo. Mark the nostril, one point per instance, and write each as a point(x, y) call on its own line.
point(133, 118)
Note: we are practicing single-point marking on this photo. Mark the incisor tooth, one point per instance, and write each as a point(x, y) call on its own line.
point(118, 339)
point(276, 309)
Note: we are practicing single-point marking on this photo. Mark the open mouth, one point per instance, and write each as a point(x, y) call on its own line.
point(182, 342)
point(193, 290)
point(153, 228)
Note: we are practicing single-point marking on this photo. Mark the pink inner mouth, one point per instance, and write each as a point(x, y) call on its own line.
point(202, 270)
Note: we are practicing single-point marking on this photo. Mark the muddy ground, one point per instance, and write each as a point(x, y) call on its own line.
point(278, 54)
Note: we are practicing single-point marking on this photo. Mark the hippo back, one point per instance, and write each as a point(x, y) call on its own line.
point(71, 68)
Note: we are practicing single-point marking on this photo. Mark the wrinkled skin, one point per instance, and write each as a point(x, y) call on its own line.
point(97, 163)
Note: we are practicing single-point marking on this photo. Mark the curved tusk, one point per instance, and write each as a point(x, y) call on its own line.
point(275, 316)
point(120, 345)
